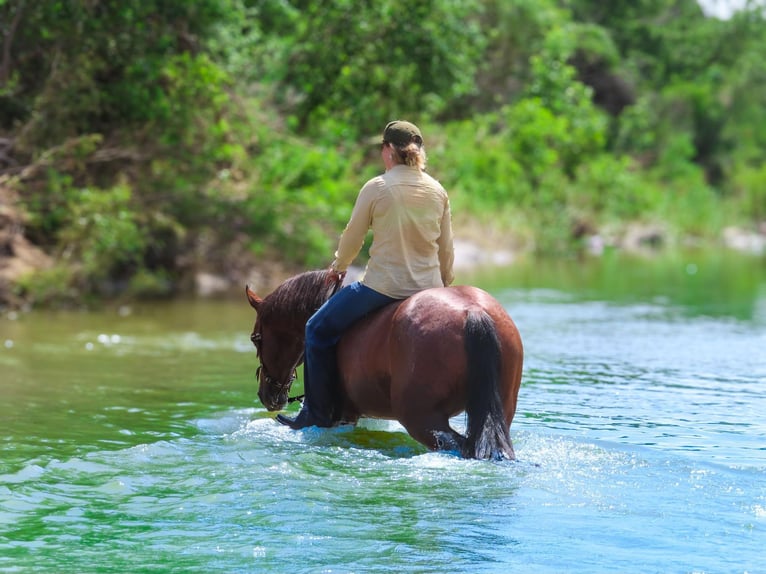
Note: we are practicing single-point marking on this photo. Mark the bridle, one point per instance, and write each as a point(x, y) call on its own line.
point(257, 339)
point(281, 387)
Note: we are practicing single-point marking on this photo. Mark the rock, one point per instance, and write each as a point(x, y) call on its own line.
point(744, 240)
point(208, 285)
point(469, 255)
point(639, 238)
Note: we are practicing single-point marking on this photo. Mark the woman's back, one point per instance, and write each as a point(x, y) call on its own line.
point(409, 212)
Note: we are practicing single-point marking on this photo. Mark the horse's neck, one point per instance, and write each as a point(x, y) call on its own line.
point(294, 319)
point(295, 325)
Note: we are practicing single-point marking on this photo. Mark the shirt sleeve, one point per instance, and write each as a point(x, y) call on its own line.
point(352, 238)
point(446, 249)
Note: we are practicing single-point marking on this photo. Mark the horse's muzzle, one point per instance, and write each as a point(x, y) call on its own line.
point(272, 394)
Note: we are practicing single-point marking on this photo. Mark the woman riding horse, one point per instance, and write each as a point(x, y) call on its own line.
point(421, 361)
point(409, 214)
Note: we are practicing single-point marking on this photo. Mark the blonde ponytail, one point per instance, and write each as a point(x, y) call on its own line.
point(412, 154)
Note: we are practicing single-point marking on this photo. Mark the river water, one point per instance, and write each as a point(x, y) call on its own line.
point(132, 441)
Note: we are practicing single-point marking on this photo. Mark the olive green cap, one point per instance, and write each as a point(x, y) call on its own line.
point(401, 133)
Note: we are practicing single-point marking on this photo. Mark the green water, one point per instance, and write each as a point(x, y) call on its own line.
point(132, 440)
point(74, 382)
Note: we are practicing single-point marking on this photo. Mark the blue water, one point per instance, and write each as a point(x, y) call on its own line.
point(640, 435)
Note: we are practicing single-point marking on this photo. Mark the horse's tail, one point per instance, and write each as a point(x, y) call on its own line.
point(487, 434)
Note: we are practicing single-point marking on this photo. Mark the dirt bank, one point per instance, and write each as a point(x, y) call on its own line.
point(18, 256)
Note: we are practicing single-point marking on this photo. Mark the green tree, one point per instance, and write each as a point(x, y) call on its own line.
point(352, 66)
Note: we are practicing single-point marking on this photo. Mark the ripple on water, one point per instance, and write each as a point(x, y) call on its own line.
point(248, 494)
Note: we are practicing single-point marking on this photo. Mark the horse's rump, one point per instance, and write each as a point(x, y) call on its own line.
point(410, 357)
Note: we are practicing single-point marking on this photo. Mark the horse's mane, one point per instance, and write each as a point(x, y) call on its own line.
point(298, 298)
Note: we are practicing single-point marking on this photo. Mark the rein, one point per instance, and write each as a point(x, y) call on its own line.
point(268, 379)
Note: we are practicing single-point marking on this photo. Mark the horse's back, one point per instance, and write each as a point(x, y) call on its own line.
point(450, 304)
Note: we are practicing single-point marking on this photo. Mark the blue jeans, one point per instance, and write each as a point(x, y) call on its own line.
point(323, 331)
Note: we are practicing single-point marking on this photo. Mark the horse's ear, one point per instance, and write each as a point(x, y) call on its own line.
point(254, 300)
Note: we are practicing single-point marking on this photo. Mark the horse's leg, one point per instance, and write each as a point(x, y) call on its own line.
point(426, 382)
point(433, 431)
point(421, 399)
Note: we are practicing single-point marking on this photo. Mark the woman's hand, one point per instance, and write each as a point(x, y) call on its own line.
point(334, 277)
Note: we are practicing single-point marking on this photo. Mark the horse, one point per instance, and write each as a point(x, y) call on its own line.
point(420, 361)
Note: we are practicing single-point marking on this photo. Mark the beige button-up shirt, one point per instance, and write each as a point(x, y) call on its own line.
point(409, 213)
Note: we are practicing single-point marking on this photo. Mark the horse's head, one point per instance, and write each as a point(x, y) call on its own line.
point(279, 330)
point(280, 351)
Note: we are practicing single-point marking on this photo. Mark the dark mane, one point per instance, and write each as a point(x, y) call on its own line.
point(298, 298)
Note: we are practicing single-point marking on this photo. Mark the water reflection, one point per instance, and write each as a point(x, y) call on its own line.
point(724, 284)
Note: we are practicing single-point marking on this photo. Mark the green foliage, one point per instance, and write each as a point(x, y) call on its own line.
point(359, 66)
point(595, 44)
point(611, 185)
point(51, 287)
point(744, 96)
point(98, 231)
point(659, 38)
point(476, 159)
point(750, 188)
point(103, 61)
point(146, 283)
point(528, 154)
point(695, 207)
point(192, 138)
point(99, 240)
point(512, 31)
point(300, 197)
point(103, 225)
point(146, 136)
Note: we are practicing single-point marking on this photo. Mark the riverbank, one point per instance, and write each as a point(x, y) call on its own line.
point(18, 256)
point(476, 246)
point(475, 249)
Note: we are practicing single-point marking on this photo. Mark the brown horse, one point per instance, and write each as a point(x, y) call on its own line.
point(419, 361)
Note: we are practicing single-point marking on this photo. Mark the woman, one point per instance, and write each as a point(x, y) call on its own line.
point(411, 250)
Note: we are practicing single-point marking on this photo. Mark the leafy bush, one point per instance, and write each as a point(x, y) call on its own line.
point(750, 188)
point(611, 187)
point(145, 137)
point(399, 59)
point(102, 231)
